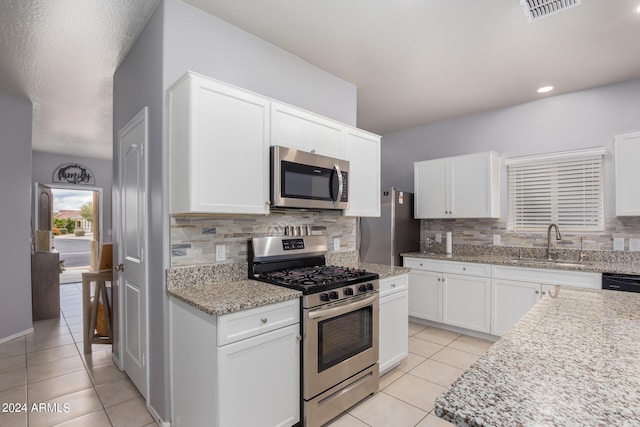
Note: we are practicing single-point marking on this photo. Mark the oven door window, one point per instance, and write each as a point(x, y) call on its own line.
point(344, 336)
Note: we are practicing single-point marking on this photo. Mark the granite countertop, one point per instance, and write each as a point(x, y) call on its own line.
point(593, 266)
point(384, 271)
point(573, 360)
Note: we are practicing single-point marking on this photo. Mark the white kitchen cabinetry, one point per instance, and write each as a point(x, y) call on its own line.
point(295, 128)
point(515, 290)
point(236, 369)
point(219, 142)
point(394, 343)
point(362, 150)
point(458, 187)
point(627, 153)
point(454, 293)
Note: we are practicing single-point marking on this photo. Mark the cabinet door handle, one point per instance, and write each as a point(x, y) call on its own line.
point(544, 293)
point(298, 338)
point(393, 285)
point(537, 291)
point(464, 268)
point(264, 320)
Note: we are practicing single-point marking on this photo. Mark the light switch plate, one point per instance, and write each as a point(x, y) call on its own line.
point(221, 252)
point(634, 245)
point(336, 244)
point(618, 244)
point(496, 240)
point(439, 237)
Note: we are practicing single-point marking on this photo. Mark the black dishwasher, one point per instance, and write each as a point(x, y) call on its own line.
point(621, 282)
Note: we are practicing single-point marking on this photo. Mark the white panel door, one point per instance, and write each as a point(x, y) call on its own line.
point(511, 301)
point(466, 302)
point(394, 342)
point(362, 150)
point(132, 242)
point(425, 295)
point(431, 189)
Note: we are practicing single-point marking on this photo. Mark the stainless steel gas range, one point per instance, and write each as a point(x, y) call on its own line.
point(340, 312)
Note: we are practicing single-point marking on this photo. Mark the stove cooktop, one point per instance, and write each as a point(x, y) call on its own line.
point(317, 278)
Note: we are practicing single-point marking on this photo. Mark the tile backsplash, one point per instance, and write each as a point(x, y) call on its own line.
point(194, 238)
point(481, 231)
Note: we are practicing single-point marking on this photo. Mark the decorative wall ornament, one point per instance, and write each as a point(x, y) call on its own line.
point(73, 173)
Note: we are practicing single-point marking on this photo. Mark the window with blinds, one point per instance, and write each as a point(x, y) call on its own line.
point(565, 188)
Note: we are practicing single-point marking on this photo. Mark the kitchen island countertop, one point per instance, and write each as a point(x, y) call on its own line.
point(573, 360)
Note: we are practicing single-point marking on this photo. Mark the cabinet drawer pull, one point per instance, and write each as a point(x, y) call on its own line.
point(264, 320)
point(537, 291)
point(393, 285)
point(464, 268)
point(298, 338)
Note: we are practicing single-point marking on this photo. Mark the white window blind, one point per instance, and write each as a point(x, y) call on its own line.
point(565, 188)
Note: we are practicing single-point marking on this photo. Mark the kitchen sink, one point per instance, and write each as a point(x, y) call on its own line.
point(557, 263)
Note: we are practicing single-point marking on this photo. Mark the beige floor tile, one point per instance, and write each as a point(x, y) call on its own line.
point(94, 419)
point(471, 345)
point(65, 408)
point(36, 344)
point(383, 410)
point(13, 378)
point(438, 336)
point(390, 377)
point(51, 354)
point(132, 413)
point(411, 361)
point(437, 372)
point(54, 368)
point(49, 389)
point(75, 328)
point(457, 358)
point(74, 321)
point(415, 391)
point(432, 420)
point(14, 347)
point(18, 415)
point(116, 392)
point(11, 363)
point(422, 347)
point(98, 358)
point(46, 333)
point(347, 420)
point(105, 374)
point(414, 328)
point(13, 419)
point(14, 395)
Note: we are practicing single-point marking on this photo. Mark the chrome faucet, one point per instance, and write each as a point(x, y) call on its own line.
point(558, 237)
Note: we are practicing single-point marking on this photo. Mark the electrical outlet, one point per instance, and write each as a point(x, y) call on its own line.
point(634, 245)
point(221, 252)
point(618, 244)
point(336, 244)
point(496, 240)
point(439, 237)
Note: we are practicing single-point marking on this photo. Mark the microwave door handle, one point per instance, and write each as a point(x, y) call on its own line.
point(340, 184)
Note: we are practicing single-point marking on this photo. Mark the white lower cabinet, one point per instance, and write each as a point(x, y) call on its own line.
point(515, 290)
point(454, 293)
point(394, 342)
point(238, 369)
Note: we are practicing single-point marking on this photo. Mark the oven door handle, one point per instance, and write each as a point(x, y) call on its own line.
point(341, 309)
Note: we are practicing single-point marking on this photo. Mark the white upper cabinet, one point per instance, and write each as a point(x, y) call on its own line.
point(627, 153)
point(458, 187)
point(219, 139)
point(295, 128)
point(362, 150)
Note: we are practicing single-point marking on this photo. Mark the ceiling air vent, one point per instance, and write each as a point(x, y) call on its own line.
point(536, 9)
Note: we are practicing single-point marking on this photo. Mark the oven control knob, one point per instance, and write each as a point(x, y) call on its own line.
point(324, 297)
point(362, 288)
point(348, 291)
point(333, 295)
point(369, 286)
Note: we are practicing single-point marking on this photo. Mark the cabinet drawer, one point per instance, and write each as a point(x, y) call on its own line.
point(249, 323)
point(453, 267)
point(548, 277)
point(393, 284)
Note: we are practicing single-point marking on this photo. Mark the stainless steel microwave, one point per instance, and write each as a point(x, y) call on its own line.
point(307, 180)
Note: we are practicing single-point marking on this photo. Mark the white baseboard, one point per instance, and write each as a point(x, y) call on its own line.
point(16, 335)
point(116, 361)
point(156, 417)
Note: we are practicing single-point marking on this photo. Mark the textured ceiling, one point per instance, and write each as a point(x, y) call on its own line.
point(61, 55)
point(419, 61)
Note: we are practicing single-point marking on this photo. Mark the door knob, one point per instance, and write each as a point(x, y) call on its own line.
point(120, 267)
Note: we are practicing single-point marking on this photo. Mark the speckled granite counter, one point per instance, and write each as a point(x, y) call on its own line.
point(573, 360)
point(384, 271)
point(221, 289)
point(626, 267)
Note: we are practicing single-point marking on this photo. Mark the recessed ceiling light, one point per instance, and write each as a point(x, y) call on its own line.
point(545, 89)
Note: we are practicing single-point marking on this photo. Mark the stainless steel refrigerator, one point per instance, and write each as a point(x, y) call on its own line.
point(383, 239)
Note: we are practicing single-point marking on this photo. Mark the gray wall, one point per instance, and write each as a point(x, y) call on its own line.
point(200, 42)
point(45, 163)
point(582, 119)
point(138, 83)
point(178, 38)
point(15, 194)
